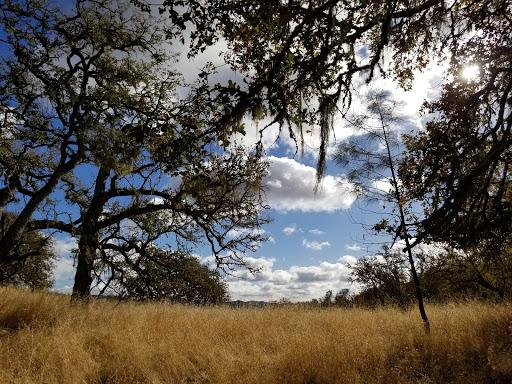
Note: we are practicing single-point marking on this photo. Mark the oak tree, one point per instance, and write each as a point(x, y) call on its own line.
point(383, 278)
point(460, 165)
point(157, 274)
point(95, 134)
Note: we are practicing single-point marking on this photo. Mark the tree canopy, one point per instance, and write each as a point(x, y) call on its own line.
point(94, 136)
point(299, 58)
point(34, 269)
point(460, 164)
point(156, 274)
point(300, 61)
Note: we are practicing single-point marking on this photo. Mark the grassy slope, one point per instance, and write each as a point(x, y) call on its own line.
point(45, 340)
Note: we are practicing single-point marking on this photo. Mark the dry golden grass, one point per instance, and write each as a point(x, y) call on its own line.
point(43, 339)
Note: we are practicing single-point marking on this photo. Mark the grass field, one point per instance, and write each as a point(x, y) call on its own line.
point(43, 339)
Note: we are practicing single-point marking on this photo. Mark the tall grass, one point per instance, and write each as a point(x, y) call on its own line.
point(44, 339)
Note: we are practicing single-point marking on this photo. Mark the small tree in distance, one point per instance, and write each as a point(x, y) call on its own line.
point(371, 159)
point(157, 274)
point(382, 277)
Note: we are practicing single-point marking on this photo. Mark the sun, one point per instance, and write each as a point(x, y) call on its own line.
point(471, 72)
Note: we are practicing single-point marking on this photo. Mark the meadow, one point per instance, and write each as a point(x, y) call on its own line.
point(44, 339)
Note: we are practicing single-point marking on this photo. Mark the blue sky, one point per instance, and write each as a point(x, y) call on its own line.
point(312, 237)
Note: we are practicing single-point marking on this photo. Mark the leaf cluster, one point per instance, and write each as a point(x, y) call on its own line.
point(299, 58)
point(33, 265)
point(460, 165)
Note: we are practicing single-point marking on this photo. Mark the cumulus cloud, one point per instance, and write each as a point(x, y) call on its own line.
point(353, 247)
point(261, 264)
point(382, 185)
point(316, 232)
point(315, 245)
point(425, 86)
point(65, 290)
point(64, 270)
point(431, 249)
point(298, 283)
point(348, 259)
point(291, 188)
point(64, 246)
point(238, 232)
point(269, 139)
point(290, 229)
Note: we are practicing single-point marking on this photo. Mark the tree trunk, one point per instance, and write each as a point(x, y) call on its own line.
point(404, 233)
point(88, 244)
point(417, 286)
point(83, 277)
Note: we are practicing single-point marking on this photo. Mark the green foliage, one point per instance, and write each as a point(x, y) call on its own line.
point(460, 165)
point(383, 278)
point(299, 59)
point(327, 299)
point(483, 272)
point(156, 274)
point(445, 275)
point(34, 268)
point(218, 203)
point(69, 84)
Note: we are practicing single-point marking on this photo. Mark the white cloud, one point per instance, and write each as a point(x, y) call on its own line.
point(66, 290)
point(64, 270)
point(314, 245)
point(382, 185)
point(353, 247)
point(298, 283)
point(316, 232)
point(269, 139)
point(431, 249)
point(425, 86)
point(291, 188)
point(239, 232)
point(262, 264)
point(275, 183)
point(290, 229)
point(64, 246)
point(348, 259)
